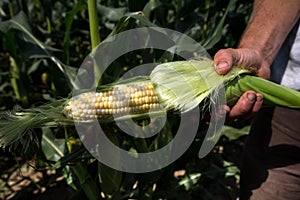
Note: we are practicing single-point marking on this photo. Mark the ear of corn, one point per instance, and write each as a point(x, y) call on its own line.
point(181, 86)
point(122, 99)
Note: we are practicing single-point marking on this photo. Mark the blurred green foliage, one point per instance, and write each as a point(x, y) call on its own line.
point(43, 43)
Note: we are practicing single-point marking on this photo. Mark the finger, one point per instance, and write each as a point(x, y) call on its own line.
point(244, 106)
point(223, 60)
point(264, 72)
point(220, 113)
point(246, 58)
point(258, 103)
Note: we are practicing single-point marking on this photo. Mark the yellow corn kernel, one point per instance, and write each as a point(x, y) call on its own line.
point(123, 99)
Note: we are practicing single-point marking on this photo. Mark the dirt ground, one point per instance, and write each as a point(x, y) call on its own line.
point(20, 181)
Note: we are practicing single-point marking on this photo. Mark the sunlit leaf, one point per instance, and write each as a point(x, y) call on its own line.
point(53, 148)
point(128, 19)
point(69, 177)
point(143, 20)
point(34, 67)
point(189, 180)
point(231, 170)
point(151, 5)
point(234, 133)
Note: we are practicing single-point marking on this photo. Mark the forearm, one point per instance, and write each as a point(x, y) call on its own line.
point(270, 22)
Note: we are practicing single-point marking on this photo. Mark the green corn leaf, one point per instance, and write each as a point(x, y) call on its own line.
point(234, 133)
point(53, 148)
point(87, 183)
point(17, 81)
point(218, 33)
point(111, 14)
point(128, 19)
point(20, 23)
point(190, 180)
point(150, 6)
point(80, 5)
point(110, 180)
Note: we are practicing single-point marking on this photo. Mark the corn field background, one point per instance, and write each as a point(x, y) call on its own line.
point(43, 43)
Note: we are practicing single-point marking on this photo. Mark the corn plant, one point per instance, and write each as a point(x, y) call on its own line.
point(50, 127)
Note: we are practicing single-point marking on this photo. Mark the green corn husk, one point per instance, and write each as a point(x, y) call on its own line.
point(273, 93)
point(183, 85)
point(180, 86)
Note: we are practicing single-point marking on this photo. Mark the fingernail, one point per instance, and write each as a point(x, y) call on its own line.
point(251, 97)
point(259, 98)
point(222, 65)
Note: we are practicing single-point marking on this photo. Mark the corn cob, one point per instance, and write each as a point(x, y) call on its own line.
point(129, 99)
point(178, 86)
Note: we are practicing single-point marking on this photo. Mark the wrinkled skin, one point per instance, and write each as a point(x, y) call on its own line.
point(269, 24)
point(250, 102)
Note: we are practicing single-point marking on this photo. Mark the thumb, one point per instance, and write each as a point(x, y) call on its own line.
point(224, 60)
point(243, 57)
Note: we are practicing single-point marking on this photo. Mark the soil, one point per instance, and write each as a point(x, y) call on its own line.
point(19, 180)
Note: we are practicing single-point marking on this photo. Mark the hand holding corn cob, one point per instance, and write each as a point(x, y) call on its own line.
point(250, 102)
point(179, 86)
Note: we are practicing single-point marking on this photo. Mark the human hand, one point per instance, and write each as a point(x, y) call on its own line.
point(250, 102)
